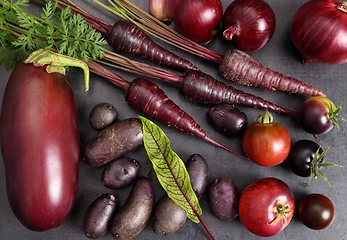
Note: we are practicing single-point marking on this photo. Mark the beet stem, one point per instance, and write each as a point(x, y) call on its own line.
point(108, 75)
point(118, 61)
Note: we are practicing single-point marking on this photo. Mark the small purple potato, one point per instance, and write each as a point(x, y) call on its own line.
point(199, 174)
point(102, 115)
point(227, 119)
point(113, 142)
point(133, 216)
point(168, 216)
point(98, 217)
point(120, 173)
point(223, 199)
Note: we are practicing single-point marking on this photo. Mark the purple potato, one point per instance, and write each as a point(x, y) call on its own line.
point(223, 199)
point(113, 142)
point(168, 216)
point(120, 173)
point(133, 216)
point(227, 119)
point(199, 174)
point(102, 115)
point(98, 217)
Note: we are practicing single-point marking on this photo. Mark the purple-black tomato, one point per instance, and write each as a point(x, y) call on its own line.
point(316, 211)
point(40, 146)
point(306, 159)
point(301, 155)
point(318, 115)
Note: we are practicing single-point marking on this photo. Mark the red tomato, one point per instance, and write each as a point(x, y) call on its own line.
point(266, 207)
point(266, 143)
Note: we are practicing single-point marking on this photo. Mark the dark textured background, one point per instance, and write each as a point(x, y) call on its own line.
point(280, 55)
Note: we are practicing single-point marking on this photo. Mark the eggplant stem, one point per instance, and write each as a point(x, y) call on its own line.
point(56, 62)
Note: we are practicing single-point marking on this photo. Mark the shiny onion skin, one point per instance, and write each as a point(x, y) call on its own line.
point(319, 31)
point(198, 20)
point(248, 24)
point(40, 146)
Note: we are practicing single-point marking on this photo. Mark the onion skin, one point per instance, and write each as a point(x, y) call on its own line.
point(162, 9)
point(198, 20)
point(248, 24)
point(40, 146)
point(319, 31)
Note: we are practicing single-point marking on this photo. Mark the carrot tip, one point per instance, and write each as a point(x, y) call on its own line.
point(217, 144)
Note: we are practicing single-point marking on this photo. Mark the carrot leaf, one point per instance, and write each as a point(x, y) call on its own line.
point(170, 169)
point(23, 32)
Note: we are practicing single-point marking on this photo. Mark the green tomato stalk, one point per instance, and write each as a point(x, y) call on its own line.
point(317, 163)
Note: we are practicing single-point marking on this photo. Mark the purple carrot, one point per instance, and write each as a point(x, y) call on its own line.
point(243, 69)
point(194, 85)
point(198, 86)
point(126, 37)
point(201, 87)
point(147, 98)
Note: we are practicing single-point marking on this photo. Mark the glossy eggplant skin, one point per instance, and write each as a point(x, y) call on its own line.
point(40, 146)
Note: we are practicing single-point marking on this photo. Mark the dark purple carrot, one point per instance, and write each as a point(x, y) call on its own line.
point(243, 69)
point(235, 65)
point(147, 98)
point(247, 70)
point(127, 38)
point(194, 85)
point(201, 87)
point(198, 86)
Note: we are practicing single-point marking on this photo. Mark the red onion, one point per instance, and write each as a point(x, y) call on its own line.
point(319, 31)
point(248, 24)
point(198, 20)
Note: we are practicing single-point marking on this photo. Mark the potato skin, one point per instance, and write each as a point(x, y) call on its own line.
point(98, 217)
point(120, 173)
point(113, 142)
point(102, 115)
point(133, 216)
point(223, 199)
point(227, 119)
point(168, 216)
point(197, 168)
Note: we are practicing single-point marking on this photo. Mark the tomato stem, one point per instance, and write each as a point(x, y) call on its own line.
point(333, 114)
point(317, 163)
point(265, 118)
point(281, 211)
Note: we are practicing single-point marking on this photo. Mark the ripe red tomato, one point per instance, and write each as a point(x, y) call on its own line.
point(265, 142)
point(316, 211)
point(318, 115)
point(266, 207)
